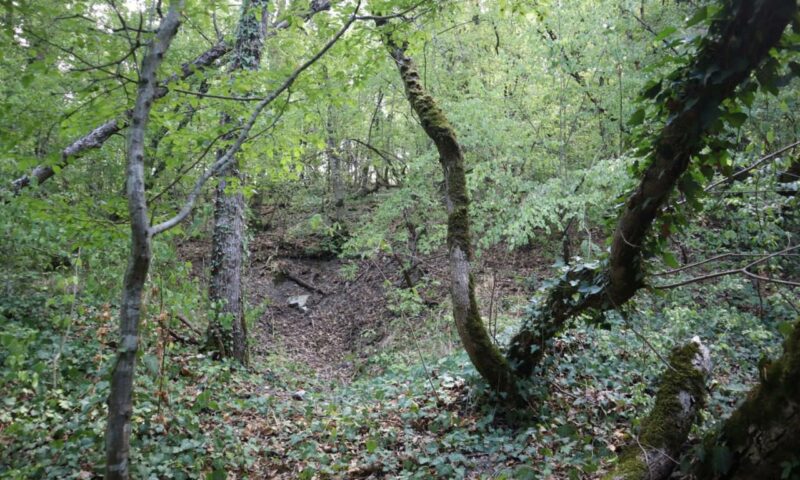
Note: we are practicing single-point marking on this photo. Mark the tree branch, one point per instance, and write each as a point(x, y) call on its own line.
point(229, 155)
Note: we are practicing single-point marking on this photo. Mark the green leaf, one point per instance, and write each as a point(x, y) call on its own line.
point(699, 16)
point(670, 260)
point(665, 33)
point(736, 119)
point(637, 118)
point(371, 445)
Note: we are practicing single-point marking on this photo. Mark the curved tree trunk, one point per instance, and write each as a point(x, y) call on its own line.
point(681, 395)
point(739, 43)
point(120, 400)
point(487, 359)
point(762, 437)
point(227, 330)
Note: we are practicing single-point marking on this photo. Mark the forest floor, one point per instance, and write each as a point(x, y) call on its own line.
point(353, 382)
point(347, 314)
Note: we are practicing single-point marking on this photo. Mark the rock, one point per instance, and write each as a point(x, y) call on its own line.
point(299, 395)
point(299, 302)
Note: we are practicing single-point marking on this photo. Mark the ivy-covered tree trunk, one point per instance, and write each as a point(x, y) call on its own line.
point(227, 331)
point(762, 437)
point(681, 395)
point(120, 399)
point(335, 168)
point(486, 357)
point(738, 43)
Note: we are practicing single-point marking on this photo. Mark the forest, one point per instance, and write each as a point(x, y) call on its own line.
point(399, 239)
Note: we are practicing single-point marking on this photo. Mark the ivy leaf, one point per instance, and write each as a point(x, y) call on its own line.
point(736, 119)
point(670, 259)
point(665, 33)
point(699, 16)
point(637, 118)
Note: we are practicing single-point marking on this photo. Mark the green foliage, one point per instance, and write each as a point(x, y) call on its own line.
point(541, 99)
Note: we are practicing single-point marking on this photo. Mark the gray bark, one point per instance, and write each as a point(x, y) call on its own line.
point(335, 169)
point(228, 329)
point(120, 400)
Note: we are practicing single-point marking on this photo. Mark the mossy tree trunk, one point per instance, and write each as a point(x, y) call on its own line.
point(486, 357)
point(737, 44)
point(762, 437)
point(227, 331)
point(681, 395)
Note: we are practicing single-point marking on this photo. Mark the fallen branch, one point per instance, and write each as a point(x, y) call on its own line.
point(308, 286)
point(188, 325)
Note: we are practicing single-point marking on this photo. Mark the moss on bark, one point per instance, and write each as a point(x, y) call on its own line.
point(681, 395)
point(485, 356)
point(764, 432)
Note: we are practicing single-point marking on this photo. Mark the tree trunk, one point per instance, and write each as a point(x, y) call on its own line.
point(335, 167)
point(762, 437)
point(487, 359)
point(120, 400)
point(739, 42)
point(681, 395)
point(227, 330)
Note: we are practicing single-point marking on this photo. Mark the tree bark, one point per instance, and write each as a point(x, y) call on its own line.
point(120, 400)
point(484, 355)
point(227, 330)
point(681, 395)
point(762, 436)
point(737, 44)
point(335, 167)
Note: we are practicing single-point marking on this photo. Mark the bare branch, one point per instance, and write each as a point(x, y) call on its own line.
point(743, 271)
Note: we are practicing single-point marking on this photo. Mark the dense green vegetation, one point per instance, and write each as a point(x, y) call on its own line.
point(399, 239)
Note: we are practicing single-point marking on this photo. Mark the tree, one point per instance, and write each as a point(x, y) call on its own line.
point(227, 251)
point(121, 397)
point(120, 401)
point(476, 340)
point(739, 41)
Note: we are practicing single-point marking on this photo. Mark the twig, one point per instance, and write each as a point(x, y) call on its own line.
point(744, 270)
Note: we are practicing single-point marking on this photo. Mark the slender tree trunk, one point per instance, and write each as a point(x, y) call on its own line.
point(487, 359)
point(120, 400)
point(227, 331)
point(739, 43)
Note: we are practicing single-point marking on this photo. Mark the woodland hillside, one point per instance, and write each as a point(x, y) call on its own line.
point(413, 239)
